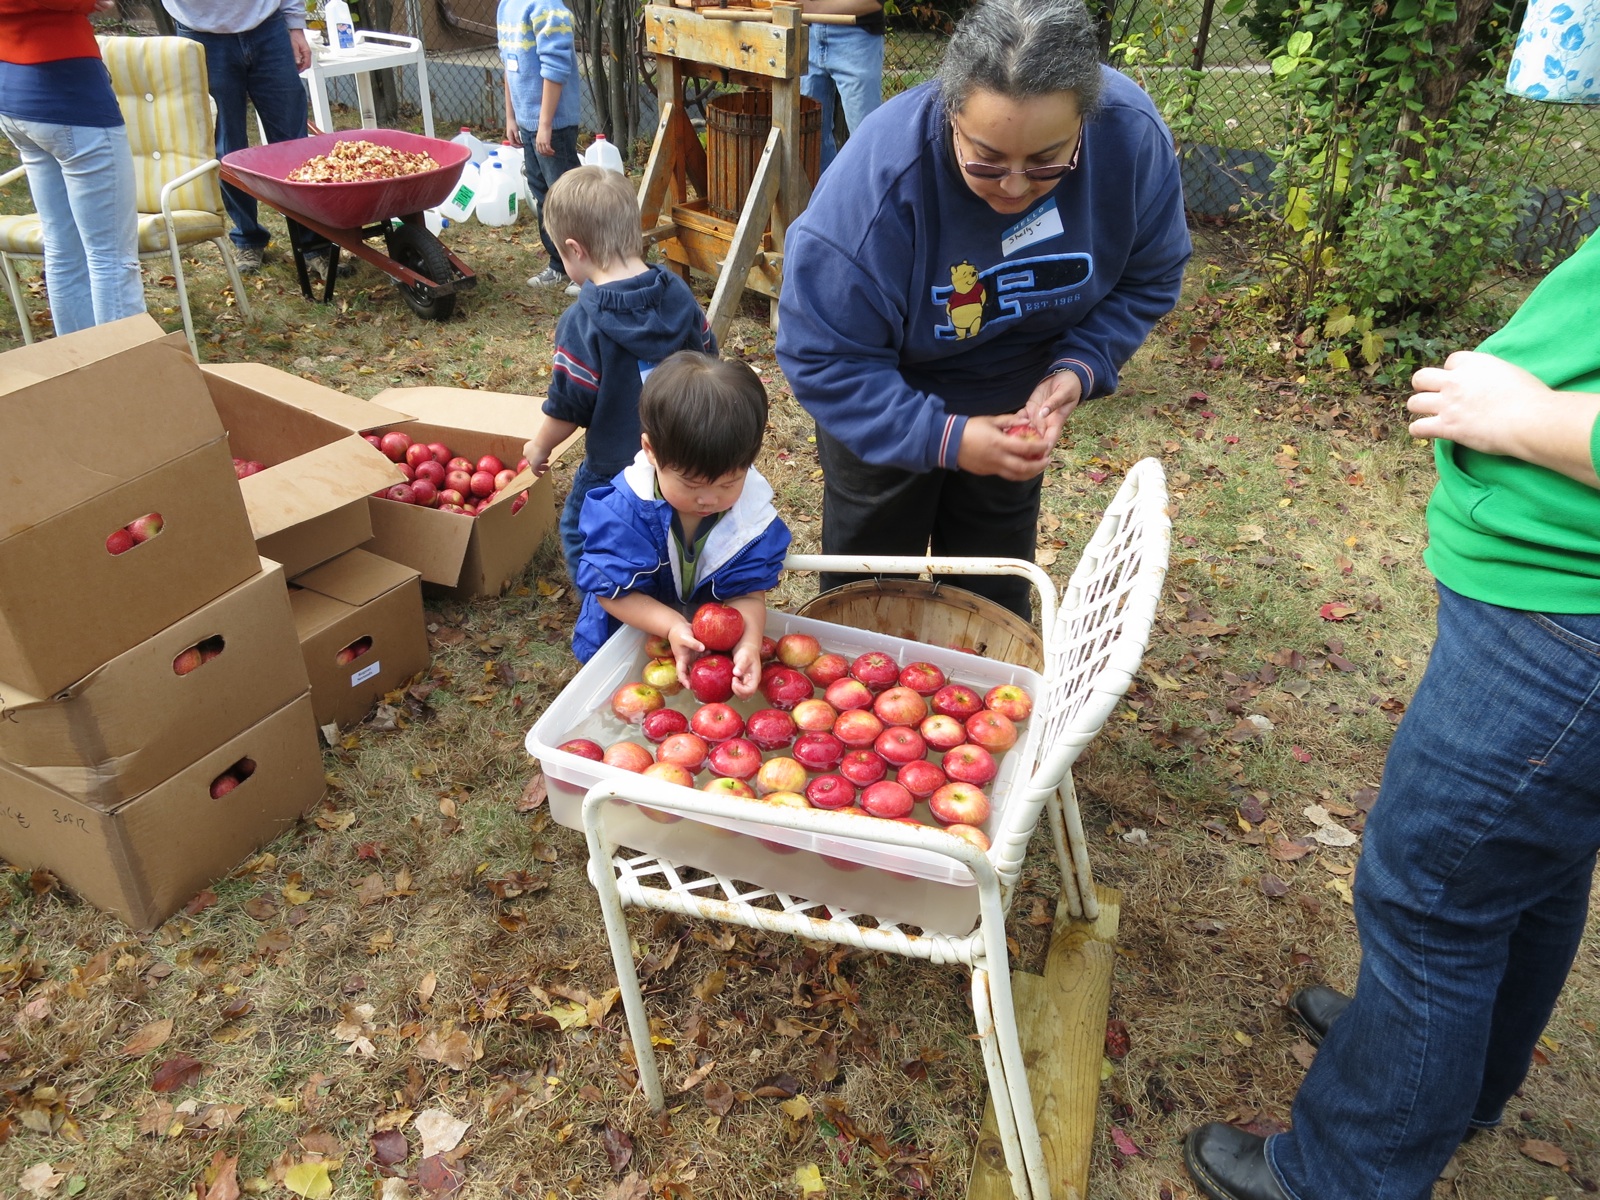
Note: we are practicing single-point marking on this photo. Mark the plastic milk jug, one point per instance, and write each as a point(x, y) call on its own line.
point(513, 158)
point(603, 154)
point(341, 29)
point(436, 221)
point(480, 150)
point(459, 204)
point(497, 194)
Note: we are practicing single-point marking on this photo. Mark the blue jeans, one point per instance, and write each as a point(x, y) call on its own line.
point(584, 481)
point(541, 171)
point(1471, 896)
point(257, 66)
point(81, 178)
point(847, 64)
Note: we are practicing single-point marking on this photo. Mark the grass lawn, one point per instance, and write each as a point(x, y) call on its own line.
point(426, 941)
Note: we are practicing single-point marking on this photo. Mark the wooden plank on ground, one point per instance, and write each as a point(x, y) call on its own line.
point(1061, 1021)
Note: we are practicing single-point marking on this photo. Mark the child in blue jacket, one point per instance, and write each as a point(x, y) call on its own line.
point(632, 318)
point(690, 521)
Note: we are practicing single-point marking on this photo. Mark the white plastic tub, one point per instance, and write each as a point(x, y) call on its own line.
point(833, 870)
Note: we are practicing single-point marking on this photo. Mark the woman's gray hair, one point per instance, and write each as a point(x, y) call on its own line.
point(1020, 49)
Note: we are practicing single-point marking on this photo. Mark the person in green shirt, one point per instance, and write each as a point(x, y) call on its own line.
point(1473, 887)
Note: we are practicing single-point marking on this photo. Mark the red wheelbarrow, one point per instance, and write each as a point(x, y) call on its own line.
point(428, 275)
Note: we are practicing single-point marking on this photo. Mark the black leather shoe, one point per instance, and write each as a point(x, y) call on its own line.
point(1315, 1009)
point(1230, 1164)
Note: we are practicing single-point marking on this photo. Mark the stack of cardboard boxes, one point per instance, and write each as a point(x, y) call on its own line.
point(155, 717)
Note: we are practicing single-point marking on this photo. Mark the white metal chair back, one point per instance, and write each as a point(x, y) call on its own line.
point(1095, 643)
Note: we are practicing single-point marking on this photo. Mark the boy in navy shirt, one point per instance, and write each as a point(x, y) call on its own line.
point(690, 521)
point(627, 319)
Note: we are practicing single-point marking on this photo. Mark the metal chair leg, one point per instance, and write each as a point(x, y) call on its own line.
point(999, 1091)
point(1003, 1020)
point(14, 287)
point(1064, 864)
point(1068, 795)
point(602, 876)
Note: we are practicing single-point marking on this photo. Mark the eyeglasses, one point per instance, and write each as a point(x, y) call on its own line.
point(992, 173)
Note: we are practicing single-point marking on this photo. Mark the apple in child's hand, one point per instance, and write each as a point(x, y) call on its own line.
point(831, 791)
point(780, 775)
point(491, 464)
point(711, 678)
point(1024, 431)
point(688, 750)
point(662, 723)
point(921, 778)
point(862, 767)
point(784, 687)
point(657, 647)
point(717, 627)
point(818, 751)
point(716, 722)
point(798, 650)
point(876, 669)
point(662, 674)
point(900, 706)
point(1009, 700)
point(814, 716)
point(887, 799)
point(923, 678)
point(956, 700)
point(770, 728)
point(959, 804)
point(827, 669)
point(991, 730)
point(857, 727)
point(583, 748)
point(968, 764)
point(900, 744)
point(970, 833)
point(671, 772)
point(627, 756)
point(632, 701)
point(726, 785)
point(417, 453)
point(942, 732)
point(394, 446)
point(847, 694)
point(736, 758)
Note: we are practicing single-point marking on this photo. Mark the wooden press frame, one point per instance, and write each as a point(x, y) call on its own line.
point(767, 51)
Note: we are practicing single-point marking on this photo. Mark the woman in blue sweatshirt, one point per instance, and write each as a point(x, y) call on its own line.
point(990, 250)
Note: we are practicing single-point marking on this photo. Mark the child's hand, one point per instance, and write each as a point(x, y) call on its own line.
point(685, 649)
point(746, 669)
point(538, 458)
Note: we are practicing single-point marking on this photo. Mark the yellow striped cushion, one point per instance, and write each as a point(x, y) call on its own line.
point(25, 235)
point(22, 235)
point(161, 87)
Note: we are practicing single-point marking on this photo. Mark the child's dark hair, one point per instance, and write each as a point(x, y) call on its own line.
point(704, 416)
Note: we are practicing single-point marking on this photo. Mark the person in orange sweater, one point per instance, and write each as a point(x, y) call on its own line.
point(58, 110)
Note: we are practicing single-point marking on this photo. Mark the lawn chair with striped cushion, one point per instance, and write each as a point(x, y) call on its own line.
point(160, 84)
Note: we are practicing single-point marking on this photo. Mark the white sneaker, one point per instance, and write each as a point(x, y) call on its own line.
point(549, 277)
point(574, 289)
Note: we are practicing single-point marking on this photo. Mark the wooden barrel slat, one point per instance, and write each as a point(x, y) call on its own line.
point(736, 133)
point(938, 615)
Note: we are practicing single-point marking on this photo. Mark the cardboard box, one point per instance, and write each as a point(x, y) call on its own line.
point(144, 859)
point(469, 556)
point(135, 721)
point(359, 619)
point(310, 504)
point(119, 425)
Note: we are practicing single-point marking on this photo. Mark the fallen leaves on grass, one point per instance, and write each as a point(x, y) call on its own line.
point(618, 1146)
point(1118, 1043)
point(1272, 886)
point(451, 1047)
point(1124, 1144)
point(309, 1179)
point(441, 1133)
point(1335, 611)
point(389, 1146)
point(148, 1037)
point(176, 1072)
point(41, 1179)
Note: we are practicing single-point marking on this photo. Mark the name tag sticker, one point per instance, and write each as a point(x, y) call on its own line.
point(365, 674)
point(1042, 224)
point(511, 63)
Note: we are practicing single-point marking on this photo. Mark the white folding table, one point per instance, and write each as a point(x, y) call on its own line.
point(373, 51)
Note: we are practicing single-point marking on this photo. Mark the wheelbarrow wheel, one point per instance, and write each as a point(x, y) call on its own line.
point(414, 247)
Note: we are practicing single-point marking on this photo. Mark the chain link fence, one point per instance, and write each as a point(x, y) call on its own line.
point(1206, 72)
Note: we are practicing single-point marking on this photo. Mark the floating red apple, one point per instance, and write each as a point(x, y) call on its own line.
point(717, 627)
